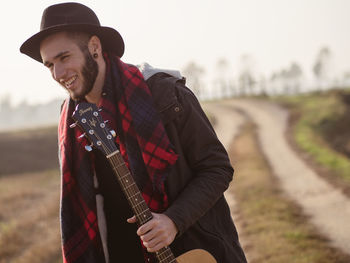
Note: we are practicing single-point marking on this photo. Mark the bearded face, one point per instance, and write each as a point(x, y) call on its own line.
point(71, 65)
point(89, 73)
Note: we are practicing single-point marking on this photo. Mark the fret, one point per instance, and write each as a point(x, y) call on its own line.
point(161, 252)
point(142, 205)
point(127, 184)
point(165, 255)
point(125, 178)
point(165, 250)
point(121, 169)
point(166, 259)
point(135, 199)
point(130, 185)
point(131, 197)
point(144, 213)
point(119, 159)
point(143, 221)
point(122, 175)
point(119, 165)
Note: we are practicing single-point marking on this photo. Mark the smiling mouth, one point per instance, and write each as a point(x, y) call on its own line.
point(69, 83)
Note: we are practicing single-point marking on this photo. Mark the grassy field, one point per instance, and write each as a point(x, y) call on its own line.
point(273, 229)
point(28, 151)
point(321, 128)
point(29, 223)
point(29, 197)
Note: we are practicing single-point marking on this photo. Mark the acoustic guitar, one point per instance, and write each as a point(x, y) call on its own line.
point(88, 118)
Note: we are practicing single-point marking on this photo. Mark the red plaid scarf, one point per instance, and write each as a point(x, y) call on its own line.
point(143, 143)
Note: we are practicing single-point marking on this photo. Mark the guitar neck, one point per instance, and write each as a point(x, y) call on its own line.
point(130, 189)
point(138, 205)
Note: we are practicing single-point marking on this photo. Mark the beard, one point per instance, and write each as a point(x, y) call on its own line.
point(89, 72)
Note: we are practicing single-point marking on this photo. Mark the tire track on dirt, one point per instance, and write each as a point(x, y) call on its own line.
point(227, 126)
point(327, 207)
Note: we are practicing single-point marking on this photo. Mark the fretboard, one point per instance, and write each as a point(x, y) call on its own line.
point(136, 201)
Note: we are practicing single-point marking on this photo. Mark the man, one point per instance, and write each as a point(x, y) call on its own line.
point(165, 139)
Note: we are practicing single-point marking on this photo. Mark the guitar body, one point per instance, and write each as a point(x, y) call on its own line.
point(196, 256)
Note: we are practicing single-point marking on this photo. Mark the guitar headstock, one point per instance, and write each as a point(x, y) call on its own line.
point(89, 119)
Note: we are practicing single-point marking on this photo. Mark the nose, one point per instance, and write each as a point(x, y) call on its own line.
point(58, 72)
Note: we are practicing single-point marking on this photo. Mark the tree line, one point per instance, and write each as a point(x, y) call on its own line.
point(289, 80)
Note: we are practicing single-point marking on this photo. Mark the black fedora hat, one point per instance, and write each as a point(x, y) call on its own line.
point(72, 16)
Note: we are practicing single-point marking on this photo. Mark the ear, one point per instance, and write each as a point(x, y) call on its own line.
point(95, 46)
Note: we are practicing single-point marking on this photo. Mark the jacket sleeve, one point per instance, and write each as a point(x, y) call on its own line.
point(210, 168)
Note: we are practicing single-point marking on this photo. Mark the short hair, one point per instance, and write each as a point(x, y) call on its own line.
point(81, 38)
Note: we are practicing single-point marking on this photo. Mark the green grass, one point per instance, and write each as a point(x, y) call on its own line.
point(317, 115)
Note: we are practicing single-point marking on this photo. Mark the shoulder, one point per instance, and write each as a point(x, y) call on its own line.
point(161, 83)
point(166, 93)
point(170, 95)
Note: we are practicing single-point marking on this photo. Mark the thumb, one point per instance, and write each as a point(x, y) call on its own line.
point(131, 219)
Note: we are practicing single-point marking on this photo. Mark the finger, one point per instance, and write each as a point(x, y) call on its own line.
point(158, 246)
point(131, 219)
point(153, 242)
point(150, 235)
point(145, 228)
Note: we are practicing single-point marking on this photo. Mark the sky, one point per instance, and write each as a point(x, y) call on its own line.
point(170, 34)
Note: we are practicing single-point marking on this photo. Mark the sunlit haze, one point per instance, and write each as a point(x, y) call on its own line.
point(169, 34)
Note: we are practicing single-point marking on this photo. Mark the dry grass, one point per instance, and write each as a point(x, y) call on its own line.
point(29, 197)
point(273, 227)
point(29, 223)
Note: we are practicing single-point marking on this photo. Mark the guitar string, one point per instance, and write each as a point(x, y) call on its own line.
point(160, 255)
point(128, 188)
point(106, 149)
point(131, 190)
point(163, 253)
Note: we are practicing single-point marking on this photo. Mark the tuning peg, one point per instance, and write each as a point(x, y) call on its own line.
point(113, 133)
point(81, 136)
point(88, 148)
point(99, 109)
point(106, 121)
point(73, 125)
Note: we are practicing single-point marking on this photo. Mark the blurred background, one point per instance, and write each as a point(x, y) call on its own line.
point(241, 59)
point(224, 47)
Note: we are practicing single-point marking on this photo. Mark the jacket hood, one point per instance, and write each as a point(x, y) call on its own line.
point(148, 71)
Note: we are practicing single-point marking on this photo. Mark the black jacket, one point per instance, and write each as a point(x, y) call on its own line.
point(202, 173)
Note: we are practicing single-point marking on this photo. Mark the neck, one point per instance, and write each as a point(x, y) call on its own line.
point(94, 95)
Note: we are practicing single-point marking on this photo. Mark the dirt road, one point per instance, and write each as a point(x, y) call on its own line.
point(327, 208)
point(226, 130)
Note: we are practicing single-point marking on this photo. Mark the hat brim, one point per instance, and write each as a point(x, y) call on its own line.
point(110, 38)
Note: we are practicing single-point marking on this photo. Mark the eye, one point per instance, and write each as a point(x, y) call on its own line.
point(64, 58)
point(49, 65)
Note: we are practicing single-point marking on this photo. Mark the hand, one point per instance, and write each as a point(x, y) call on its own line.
point(157, 233)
